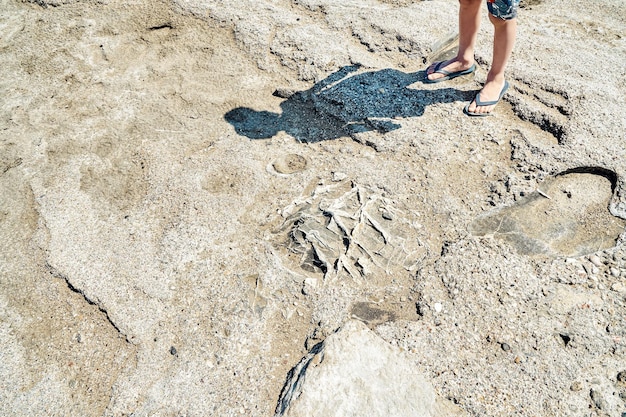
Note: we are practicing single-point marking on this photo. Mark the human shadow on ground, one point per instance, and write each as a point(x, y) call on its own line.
point(345, 103)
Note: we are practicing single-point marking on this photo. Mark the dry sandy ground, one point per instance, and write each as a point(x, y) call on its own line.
point(194, 193)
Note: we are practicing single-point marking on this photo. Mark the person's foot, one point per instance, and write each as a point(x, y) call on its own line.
point(451, 66)
point(490, 92)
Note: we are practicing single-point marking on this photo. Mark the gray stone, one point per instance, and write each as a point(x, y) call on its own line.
point(356, 373)
point(548, 222)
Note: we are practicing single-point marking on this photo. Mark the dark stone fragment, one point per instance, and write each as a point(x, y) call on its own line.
point(597, 399)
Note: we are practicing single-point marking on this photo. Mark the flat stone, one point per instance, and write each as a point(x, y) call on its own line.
point(566, 216)
point(356, 373)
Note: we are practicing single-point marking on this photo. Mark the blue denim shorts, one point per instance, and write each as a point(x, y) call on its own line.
point(504, 9)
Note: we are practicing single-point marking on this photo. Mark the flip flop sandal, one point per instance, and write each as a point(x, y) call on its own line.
point(447, 74)
point(484, 103)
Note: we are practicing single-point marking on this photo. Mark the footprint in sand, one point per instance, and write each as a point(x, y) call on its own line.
point(567, 216)
point(289, 164)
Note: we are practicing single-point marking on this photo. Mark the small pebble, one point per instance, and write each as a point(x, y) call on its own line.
point(505, 347)
point(576, 386)
point(173, 351)
point(438, 307)
point(595, 259)
point(309, 285)
point(615, 272)
point(419, 309)
point(284, 92)
point(598, 400)
point(386, 215)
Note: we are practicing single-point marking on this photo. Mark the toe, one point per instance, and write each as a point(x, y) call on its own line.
point(431, 74)
point(431, 68)
point(430, 71)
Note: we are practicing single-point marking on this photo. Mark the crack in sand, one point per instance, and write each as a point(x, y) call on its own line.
point(57, 274)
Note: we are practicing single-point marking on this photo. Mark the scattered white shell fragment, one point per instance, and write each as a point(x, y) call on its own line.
point(339, 176)
point(541, 193)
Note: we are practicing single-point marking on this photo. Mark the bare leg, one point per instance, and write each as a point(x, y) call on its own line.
point(503, 42)
point(469, 22)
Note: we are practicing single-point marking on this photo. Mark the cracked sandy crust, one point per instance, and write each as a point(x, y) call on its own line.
point(152, 209)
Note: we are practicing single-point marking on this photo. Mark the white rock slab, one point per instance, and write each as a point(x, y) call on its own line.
point(356, 373)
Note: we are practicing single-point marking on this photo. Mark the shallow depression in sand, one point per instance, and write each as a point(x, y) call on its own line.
point(567, 216)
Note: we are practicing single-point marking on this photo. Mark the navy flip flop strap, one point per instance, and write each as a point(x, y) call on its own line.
point(485, 103)
point(494, 102)
point(439, 70)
